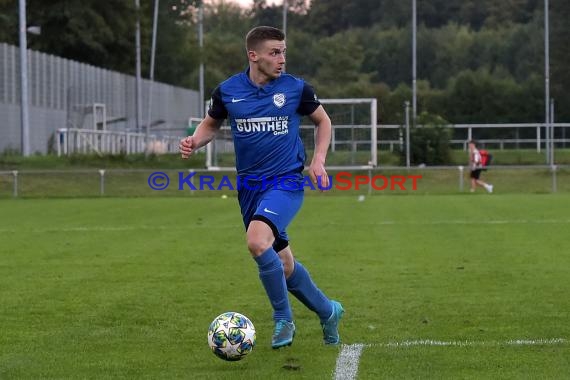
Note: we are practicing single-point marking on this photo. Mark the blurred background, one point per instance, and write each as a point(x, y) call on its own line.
point(128, 77)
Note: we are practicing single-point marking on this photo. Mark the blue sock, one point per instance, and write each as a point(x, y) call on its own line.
point(302, 286)
point(273, 280)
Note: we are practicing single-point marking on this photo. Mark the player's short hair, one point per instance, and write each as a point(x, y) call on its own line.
point(472, 142)
point(262, 33)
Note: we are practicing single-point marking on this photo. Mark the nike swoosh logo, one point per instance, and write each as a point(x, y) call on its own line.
point(234, 100)
point(269, 211)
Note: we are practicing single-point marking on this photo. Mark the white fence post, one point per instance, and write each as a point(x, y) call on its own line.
point(102, 182)
point(15, 174)
point(553, 168)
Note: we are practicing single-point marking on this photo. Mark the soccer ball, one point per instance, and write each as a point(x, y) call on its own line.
point(231, 336)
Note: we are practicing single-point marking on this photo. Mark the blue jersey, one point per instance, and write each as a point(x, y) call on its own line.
point(265, 122)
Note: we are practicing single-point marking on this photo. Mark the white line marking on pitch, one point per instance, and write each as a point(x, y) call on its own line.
point(110, 228)
point(469, 222)
point(349, 357)
point(513, 342)
point(347, 362)
point(221, 226)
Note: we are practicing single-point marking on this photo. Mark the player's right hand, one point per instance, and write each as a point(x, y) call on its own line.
point(186, 147)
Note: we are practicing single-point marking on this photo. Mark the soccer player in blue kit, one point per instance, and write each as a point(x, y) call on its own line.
point(264, 107)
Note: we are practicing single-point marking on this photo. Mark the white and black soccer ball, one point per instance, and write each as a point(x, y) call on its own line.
point(231, 336)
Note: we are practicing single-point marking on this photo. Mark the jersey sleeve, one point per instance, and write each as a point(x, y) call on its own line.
point(309, 101)
point(217, 110)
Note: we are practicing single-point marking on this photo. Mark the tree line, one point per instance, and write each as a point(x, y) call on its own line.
point(479, 61)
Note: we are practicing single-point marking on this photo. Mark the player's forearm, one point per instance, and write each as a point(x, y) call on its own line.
point(322, 140)
point(204, 134)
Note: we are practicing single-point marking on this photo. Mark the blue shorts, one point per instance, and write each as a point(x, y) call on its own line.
point(274, 205)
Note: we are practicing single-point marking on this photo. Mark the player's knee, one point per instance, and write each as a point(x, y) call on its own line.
point(259, 238)
point(257, 245)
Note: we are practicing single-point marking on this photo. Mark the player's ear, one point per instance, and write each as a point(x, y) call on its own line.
point(252, 55)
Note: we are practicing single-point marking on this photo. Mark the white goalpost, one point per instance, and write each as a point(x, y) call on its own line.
point(354, 143)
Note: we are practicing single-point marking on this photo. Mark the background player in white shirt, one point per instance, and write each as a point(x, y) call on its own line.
point(476, 167)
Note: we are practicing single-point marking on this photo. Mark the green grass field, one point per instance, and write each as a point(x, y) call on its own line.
point(442, 287)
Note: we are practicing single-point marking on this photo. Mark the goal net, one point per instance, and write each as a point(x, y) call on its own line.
point(353, 143)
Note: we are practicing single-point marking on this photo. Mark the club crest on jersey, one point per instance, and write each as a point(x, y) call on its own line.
point(279, 100)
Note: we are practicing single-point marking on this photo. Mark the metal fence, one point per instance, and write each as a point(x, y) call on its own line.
point(71, 141)
point(510, 135)
point(64, 94)
point(201, 182)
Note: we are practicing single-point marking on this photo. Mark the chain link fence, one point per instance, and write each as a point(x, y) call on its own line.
point(65, 94)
